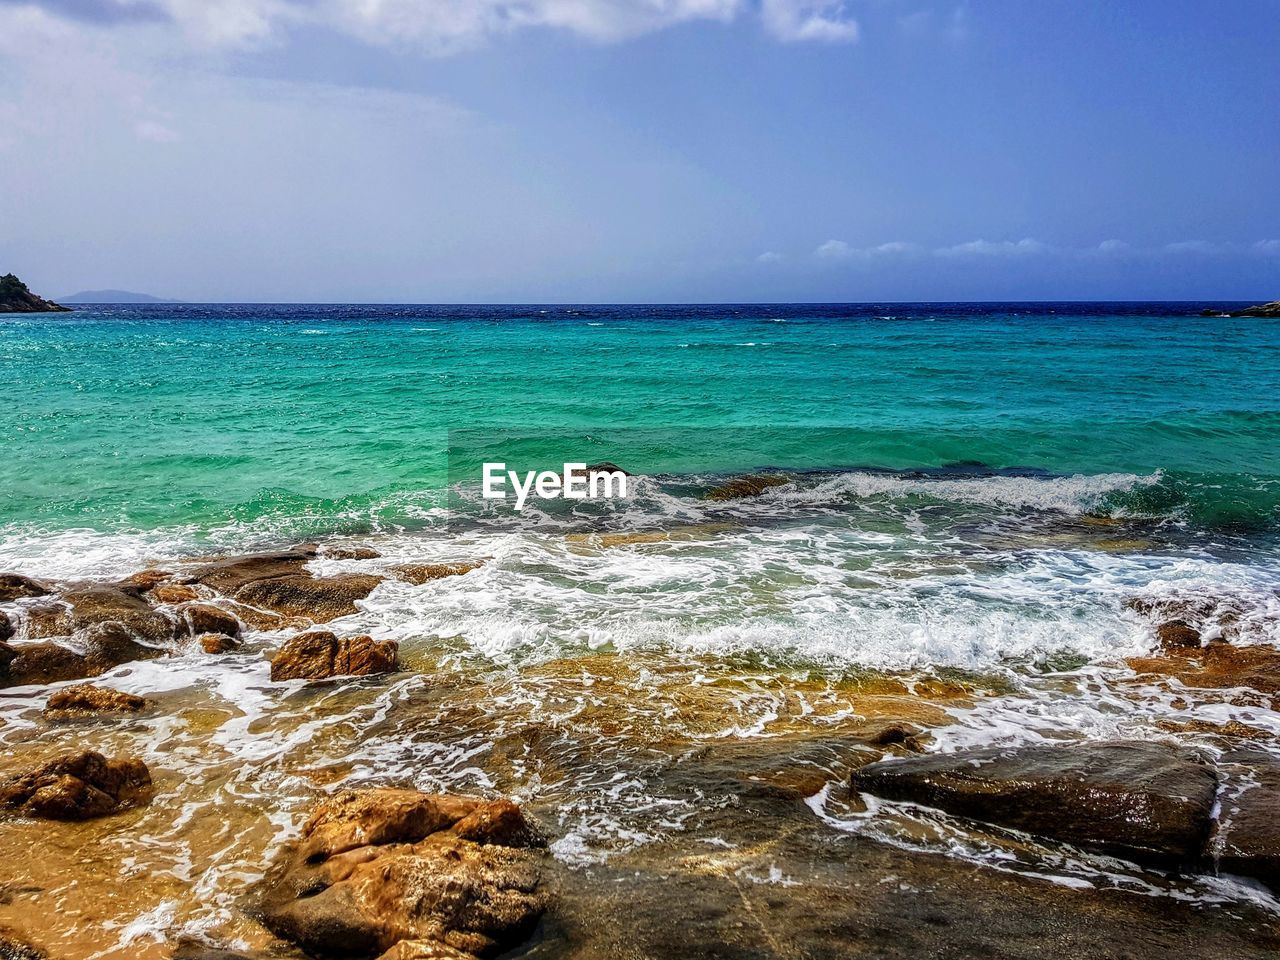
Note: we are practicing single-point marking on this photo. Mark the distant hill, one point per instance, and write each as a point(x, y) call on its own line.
point(113, 296)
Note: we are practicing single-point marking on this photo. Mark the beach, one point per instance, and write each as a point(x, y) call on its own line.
point(855, 536)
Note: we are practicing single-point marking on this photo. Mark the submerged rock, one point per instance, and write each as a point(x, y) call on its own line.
point(349, 552)
point(14, 586)
point(88, 698)
point(319, 598)
point(14, 946)
point(319, 654)
point(229, 575)
point(741, 488)
point(1147, 802)
point(1218, 666)
point(173, 593)
point(378, 867)
point(420, 573)
point(77, 786)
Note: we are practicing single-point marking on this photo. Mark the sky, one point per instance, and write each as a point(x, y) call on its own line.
point(539, 151)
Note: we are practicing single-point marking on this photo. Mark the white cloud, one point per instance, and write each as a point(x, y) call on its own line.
point(769, 256)
point(989, 248)
point(443, 26)
point(798, 20)
point(1113, 247)
point(1270, 248)
point(834, 250)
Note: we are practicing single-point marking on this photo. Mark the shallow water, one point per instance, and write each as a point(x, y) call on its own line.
point(971, 497)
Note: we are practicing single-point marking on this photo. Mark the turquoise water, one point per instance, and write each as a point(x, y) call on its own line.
point(338, 418)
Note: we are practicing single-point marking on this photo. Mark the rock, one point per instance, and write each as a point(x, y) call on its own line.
point(6, 627)
point(378, 867)
point(1271, 309)
point(350, 552)
point(14, 946)
point(144, 580)
point(424, 950)
point(173, 593)
point(741, 488)
point(1246, 837)
point(228, 576)
point(420, 573)
point(15, 297)
point(1218, 666)
point(110, 644)
point(1147, 802)
point(195, 619)
point(257, 619)
point(319, 598)
point(318, 655)
point(1177, 634)
point(77, 786)
point(217, 643)
point(14, 586)
point(40, 663)
point(88, 698)
point(93, 606)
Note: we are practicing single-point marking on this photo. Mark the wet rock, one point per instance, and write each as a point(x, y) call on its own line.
point(349, 552)
point(110, 644)
point(173, 593)
point(88, 698)
point(741, 488)
point(32, 663)
point(229, 575)
point(14, 946)
point(6, 627)
point(1246, 837)
point(14, 586)
point(92, 606)
point(1177, 634)
point(424, 950)
point(144, 580)
point(1147, 802)
point(217, 643)
point(1218, 666)
point(319, 598)
point(257, 619)
point(195, 619)
point(77, 786)
point(319, 654)
point(378, 867)
point(420, 573)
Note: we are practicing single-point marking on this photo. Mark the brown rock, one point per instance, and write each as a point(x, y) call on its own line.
point(173, 593)
point(6, 627)
point(1147, 802)
point(349, 552)
point(92, 606)
point(92, 699)
point(144, 580)
point(1246, 838)
point(228, 576)
point(197, 618)
point(14, 586)
point(419, 573)
point(1218, 666)
point(41, 663)
point(14, 946)
point(318, 655)
point(319, 598)
point(379, 867)
point(424, 950)
point(77, 786)
point(217, 643)
point(741, 488)
point(1177, 634)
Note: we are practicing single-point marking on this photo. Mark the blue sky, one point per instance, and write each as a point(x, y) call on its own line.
point(651, 150)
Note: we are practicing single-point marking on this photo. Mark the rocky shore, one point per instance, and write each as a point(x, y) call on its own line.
point(1271, 309)
point(759, 847)
point(15, 297)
